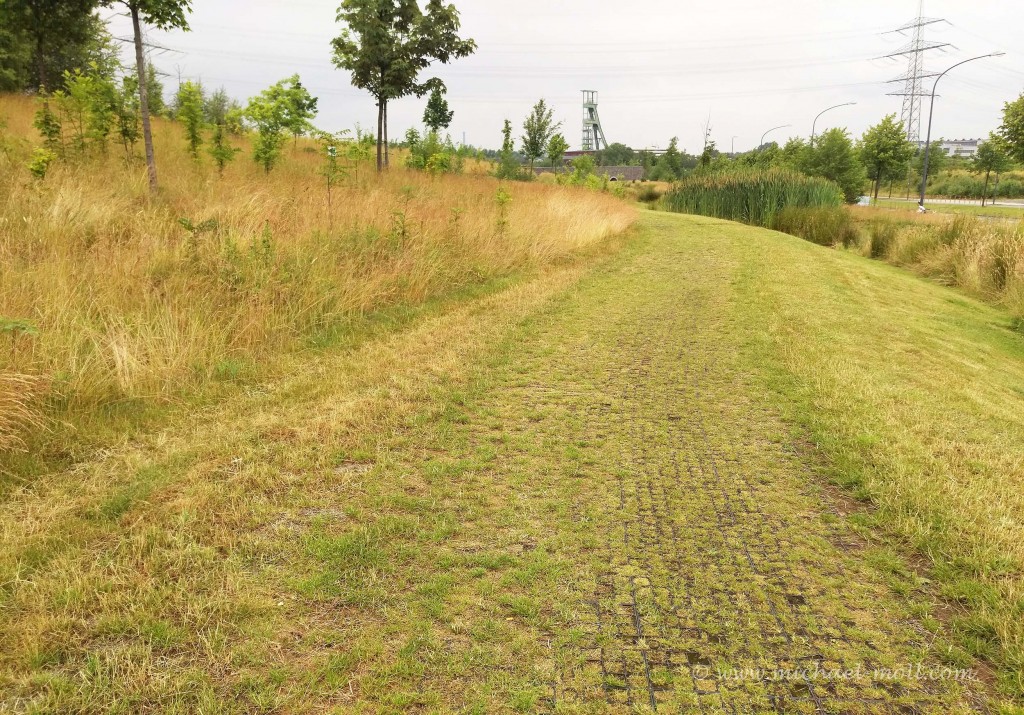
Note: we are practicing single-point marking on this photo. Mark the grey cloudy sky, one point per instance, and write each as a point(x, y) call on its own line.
point(661, 66)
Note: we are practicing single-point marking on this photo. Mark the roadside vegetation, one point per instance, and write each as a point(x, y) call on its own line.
point(111, 299)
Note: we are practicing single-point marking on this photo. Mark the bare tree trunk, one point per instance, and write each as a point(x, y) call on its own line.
point(147, 130)
point(984, 194)
point(380, 135)
point(878, 185)
point(387, 154)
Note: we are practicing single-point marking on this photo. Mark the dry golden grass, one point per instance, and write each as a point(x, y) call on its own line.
point(129, 303)
point(983, 258)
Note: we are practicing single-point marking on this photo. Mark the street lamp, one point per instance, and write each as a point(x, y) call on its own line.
point(732, 154)
point(931, 111)
point(781, 126)
point(814, 126)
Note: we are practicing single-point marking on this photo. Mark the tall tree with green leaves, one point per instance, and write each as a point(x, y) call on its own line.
point(190, 104)
point(885, 151)
point(52, 35)
point(834, 157)
point(163, 15)
point(992, 157)
point(437, 115)
point(386, 44)
point(557, 146)
point(539, 127)
point(1012, 129)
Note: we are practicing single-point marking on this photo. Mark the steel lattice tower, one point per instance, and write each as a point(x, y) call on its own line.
point(913, 80)
point(593, 134)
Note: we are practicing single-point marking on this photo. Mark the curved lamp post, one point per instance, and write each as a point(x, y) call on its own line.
point(814, 126)
point(781, 126)
point(931, 111)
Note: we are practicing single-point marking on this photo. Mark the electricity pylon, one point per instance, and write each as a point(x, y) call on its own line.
point(913, 80)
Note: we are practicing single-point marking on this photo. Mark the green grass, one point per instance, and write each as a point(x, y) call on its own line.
point(474, 509)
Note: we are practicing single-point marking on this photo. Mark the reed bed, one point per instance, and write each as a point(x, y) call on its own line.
point(126, 296)
point(753, 197)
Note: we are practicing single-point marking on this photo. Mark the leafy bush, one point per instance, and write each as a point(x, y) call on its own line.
point(40, 162)
point(751, 196)
point(825, 226)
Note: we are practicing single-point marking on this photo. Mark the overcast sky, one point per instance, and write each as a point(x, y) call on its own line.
point(662, 67)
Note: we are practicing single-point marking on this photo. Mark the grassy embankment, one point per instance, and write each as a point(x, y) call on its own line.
point(989, 211)
point(114, 303)
point(413, 524)
point(986, 259)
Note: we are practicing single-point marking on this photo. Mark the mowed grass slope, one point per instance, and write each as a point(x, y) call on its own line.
point(424, 523)
point(914, 395)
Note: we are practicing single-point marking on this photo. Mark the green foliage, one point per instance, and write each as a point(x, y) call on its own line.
point(161, 14)
point(189, 110)
point(429, 153)
point(617, 155)
point(386, 44)
point(751, 196)
point(538, 129)
point(1012, 129)
point(508, 167)
point(669, 166)
point(299, 106)
point(220, 147)
point(834, 157)
point(154, 90)
point(39, 164)
point(127, 114)
point(938, 160)
point(557, 146)
point(270, 113)
point(40, 40)
point(437, 115)
point(49, 126)
point(885, 151)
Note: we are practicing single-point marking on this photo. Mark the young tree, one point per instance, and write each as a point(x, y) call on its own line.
point(991, 157)
point(1012, 129)
point(885, 151)
point(155, 91)
point(437, 116)
point(834, 157)
point(299, 107)
point(385, 44)
point(938, 160)
point(164, 15)
point(268, 112)
point(127, 114)
point(557, 146)
point(538, 129)
point(220, 148)
point(508, 167)
point(669, 166)
point(190, 102)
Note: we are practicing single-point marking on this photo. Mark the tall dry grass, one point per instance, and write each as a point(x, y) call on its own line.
point(983, 258)
point(133, 296)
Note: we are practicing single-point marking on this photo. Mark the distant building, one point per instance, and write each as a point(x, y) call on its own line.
point(960, 148)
